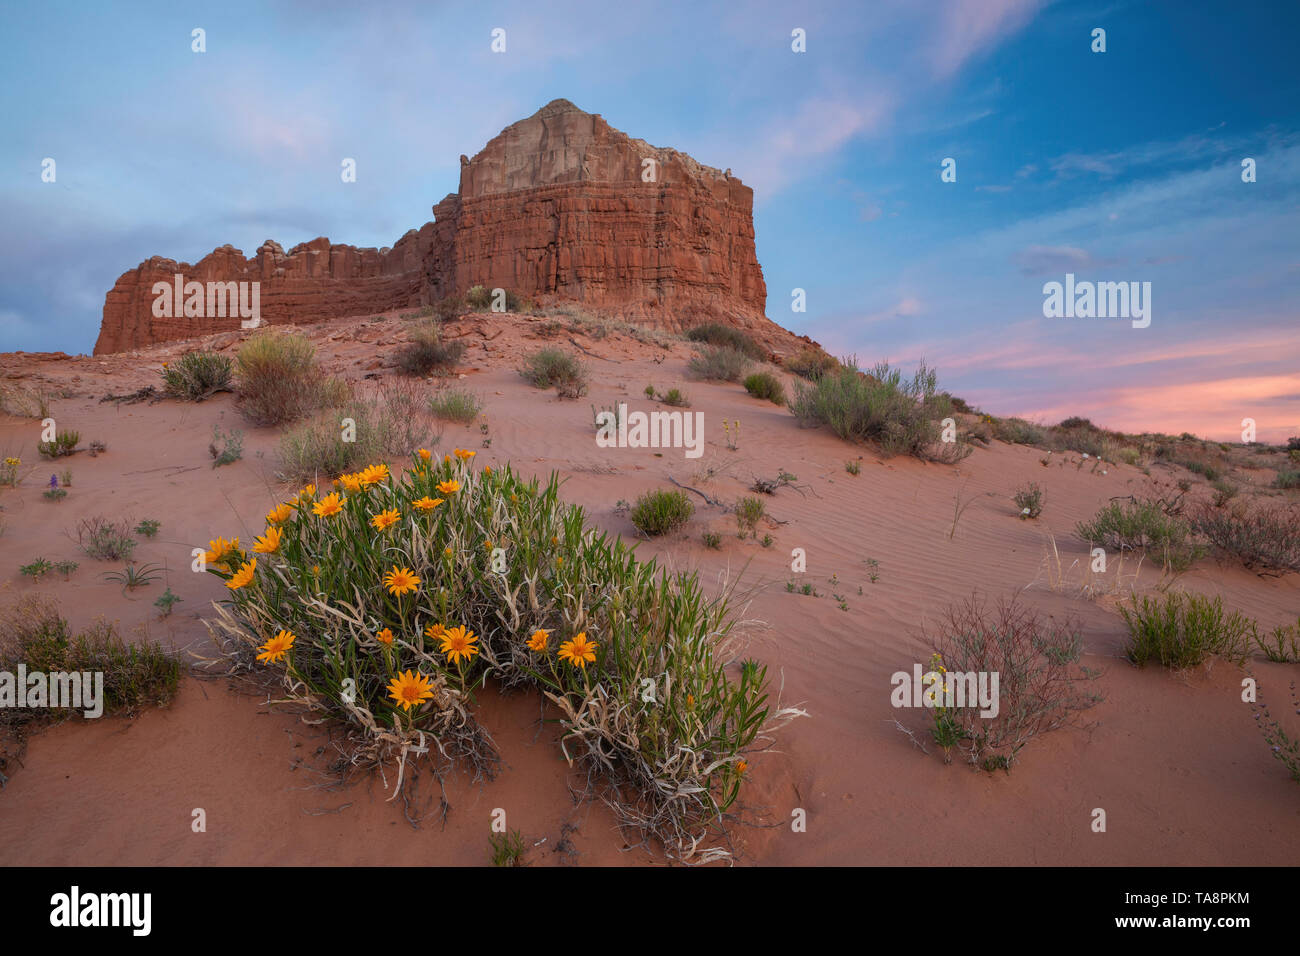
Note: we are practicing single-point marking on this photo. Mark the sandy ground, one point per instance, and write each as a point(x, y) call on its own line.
point(1175, 760)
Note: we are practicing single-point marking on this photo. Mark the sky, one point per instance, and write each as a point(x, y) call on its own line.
point(1115, 166)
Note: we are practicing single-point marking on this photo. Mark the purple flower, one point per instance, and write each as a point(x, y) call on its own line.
point(54, 481)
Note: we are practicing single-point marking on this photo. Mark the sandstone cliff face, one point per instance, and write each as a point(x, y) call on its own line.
point(312, 281)
point(556, 205)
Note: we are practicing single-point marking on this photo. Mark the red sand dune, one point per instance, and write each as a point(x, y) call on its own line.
point(1176, 760)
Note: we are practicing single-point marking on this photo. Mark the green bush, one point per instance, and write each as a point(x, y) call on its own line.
point(749, 511)
point(900, 416)
point(811, 363)
point(767, 386)
point(1140, 525)
point(549, 368)
point(106, 540)
point(661, 512)
point(455, 405)
point(279, 380)
point(36, 635)
point(1287, 479)
point(393, 422)
point(1017, 431)
point(1183, 630)
point(715, 333)
point(676, 398)
point(64, 443)
point(1029, 501)
point(394, 629)
point(718, 363)
point(197, 375)
point(426, 353)
point(1264, 538)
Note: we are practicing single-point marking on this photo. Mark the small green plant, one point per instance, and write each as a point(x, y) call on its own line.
point(748, 513)
point(766, 541)
point(731, 435)
point(132, 577)
point(65, 478)
point(1029, 501)
point(226, 449)
point(66, 568)
point(1140, 524)
point(37, 569)
point(767, 386)
point(811, 363)
point(676, 398)
point(553, 368)
point(64, 443)
point(1224, 491)
point(727, 336)
point(148, 528)
point(1284, 748)
point(853, 467)
point(455, 405)
point(650, 391)
point(507, 849)
point(719, 363)
point(105, 540)
point(661, 512)
point(712, 540)
point(1282, 645)
point(165, 603)
point(55, 494)
point(1183, 630)
point(427, 354)
point(1287, 479)
point(197, 375)
point(873, 570)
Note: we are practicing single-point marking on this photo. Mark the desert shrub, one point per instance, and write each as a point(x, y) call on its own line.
point(661, 512)
point(455, 405)
point(389, 625)
point(718, 363)
point(1264, 537)
point(197, 375)
point(1183, 630)
point(279, 380)
point(767, 386)
point(225, 449)
point(676, 398)
point(853, 467)
point(549, 368)
point(715, 333)
point(1287, 479)
point(106, 540)
point(811, 363)
point(1029, 501)
point(426, 353)
point(1017, 431)
point(449, 308)
point(1142, 525)
point(1224, 491)
point(1282, 644)
point(1129, 455)
point(749, 511)
point(900, 416)
point(1041, 684)
point(64, 443)
point(35, 635)
point(391, 422)
point(478, 298)
point(712, 540)
point(24, 402)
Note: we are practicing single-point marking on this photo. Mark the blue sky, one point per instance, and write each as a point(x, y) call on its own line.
point(1115, 166)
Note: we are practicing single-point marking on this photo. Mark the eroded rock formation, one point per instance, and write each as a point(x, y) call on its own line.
point(558, 206)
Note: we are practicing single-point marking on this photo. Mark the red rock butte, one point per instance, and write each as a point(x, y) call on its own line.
point(560, 207)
